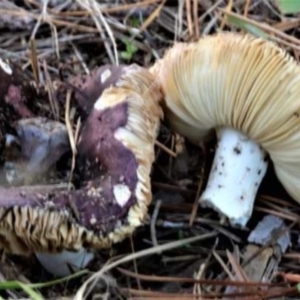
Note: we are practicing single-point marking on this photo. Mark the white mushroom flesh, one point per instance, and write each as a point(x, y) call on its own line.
point(238, 168)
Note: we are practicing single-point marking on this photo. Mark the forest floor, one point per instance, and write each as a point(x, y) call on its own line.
point(69, 37)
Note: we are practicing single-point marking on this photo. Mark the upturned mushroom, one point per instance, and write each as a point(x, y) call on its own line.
point(117, 145)
point(246, 89)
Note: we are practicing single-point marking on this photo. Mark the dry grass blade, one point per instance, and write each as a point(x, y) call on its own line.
point(153, 223)
point(130, 6)
point(195, 17)
point(289, 277)
point(233, 282)
point(188, 8)
point(34, 61)
point(283, 38)
point(246, 8)
point(51, 94)
point(287, 25)
point(166, 149)
point(286, 216)
point(72, 137)
point(222, 263)
point(76, 136)
point(94, 9)
point(150, 19)
point(240, 274)
point(161, 295)
point(281, 202)
point(226, 10)
point(172, 245)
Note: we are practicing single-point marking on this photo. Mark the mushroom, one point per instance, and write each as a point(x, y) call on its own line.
point(116, 145)
point(246, 89)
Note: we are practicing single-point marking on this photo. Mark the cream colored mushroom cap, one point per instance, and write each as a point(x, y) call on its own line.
point(238, 81)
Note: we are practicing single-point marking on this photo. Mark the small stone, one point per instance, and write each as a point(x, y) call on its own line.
point(267, 229)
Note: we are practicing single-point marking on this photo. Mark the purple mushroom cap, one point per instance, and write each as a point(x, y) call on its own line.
point(116, 152)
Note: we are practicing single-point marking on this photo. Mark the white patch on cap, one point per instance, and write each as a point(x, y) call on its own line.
point(105, 75)
point(93, 220)
point(99, 104)
point(122, 194)
point(5, 67)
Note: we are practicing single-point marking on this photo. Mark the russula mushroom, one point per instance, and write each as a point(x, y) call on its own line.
point(117, 144)
point(247, 90)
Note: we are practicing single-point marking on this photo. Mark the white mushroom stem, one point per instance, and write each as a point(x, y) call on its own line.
point(238, 168)
point(64, 263)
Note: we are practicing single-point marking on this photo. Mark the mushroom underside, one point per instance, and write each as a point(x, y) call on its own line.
point(247, 89)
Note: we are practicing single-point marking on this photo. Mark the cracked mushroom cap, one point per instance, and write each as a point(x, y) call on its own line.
point(117, 141)
point(241, 82)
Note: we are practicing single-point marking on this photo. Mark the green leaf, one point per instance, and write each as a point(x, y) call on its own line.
point(29, 288)
point(135, 22)
point(247, 26)
point(289, 6)
point(30, 292)
point(298, 287)
point(130, 50)
point(126, 55)
point(25, 287)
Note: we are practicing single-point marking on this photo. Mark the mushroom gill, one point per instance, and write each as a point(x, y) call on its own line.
point(247, 89)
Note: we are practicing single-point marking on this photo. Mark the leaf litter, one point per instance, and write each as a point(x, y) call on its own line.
point(182, 252)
